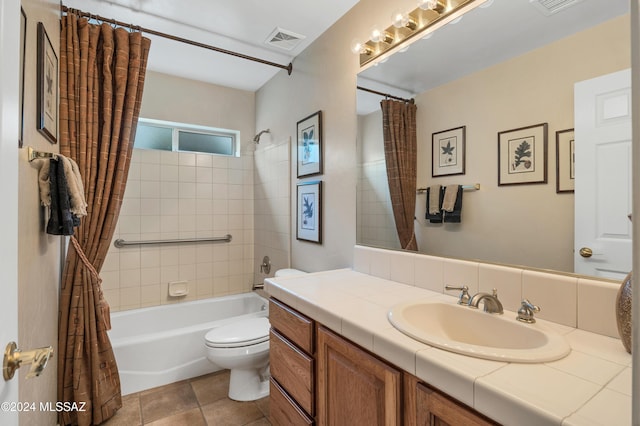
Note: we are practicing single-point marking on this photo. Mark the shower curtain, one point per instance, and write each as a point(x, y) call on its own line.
point(102, 73)
point(400, 151)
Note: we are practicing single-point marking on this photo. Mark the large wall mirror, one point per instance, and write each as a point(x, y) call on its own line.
point(503, 66)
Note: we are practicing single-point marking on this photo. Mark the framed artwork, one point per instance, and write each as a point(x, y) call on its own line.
point(310, 145)
point(522, 155)
point(23, 43)
point(309, 212)
point(47, 114)
point(565, 161)
point(448, 149)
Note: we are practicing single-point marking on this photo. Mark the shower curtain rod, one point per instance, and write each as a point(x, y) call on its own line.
point(80, 13)
point(386, 95)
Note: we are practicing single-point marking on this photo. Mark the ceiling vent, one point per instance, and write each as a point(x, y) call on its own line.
point(549, 7)
point(284, 39)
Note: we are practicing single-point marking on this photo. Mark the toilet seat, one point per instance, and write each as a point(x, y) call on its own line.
point(248, 332)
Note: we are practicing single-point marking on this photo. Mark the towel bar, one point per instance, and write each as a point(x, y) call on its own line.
point(119, 243)
point(32, 154)
point(474, 187)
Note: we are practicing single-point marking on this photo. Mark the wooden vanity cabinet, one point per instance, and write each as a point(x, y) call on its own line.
point(354, 387)
point(317, 375)
point(292, 365)
point(434, 408)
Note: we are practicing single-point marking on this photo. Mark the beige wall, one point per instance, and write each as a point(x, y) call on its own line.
point(38, 253)
point(534, 88)
point(324, 78)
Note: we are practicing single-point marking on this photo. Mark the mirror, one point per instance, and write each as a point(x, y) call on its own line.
point(504, 66)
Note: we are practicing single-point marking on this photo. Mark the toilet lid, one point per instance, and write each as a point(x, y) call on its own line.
point(246, 332)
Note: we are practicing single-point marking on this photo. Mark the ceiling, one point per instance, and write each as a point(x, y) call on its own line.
point(487, 35)
point(237, 25)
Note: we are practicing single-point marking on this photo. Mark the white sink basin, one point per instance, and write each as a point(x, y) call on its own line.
point(476, 333)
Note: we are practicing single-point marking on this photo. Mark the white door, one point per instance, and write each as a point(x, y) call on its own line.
point(9, 70)
point(603, 175)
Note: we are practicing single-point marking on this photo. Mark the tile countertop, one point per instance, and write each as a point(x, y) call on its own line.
point(591, 386)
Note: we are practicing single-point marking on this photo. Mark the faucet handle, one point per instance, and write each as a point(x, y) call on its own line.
point(526, 311)
point(463, 298)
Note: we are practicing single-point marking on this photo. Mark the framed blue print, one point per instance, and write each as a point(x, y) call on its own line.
point(309, 212)
point(310, 145)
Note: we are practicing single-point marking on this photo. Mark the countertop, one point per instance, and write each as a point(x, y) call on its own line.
point(590, 386)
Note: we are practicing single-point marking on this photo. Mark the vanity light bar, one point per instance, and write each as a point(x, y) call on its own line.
point(423, 22)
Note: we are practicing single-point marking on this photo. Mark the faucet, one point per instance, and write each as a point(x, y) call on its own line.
point(491, 303)
point(463, 298)
point(526, 311)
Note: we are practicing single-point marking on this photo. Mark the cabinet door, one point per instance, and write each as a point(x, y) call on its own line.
point(436, 409)
point(354, 388)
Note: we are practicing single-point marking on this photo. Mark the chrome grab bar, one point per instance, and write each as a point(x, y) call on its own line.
point(119, 243)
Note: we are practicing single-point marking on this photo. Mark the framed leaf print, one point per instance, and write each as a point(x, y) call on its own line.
point(522, 155)
point(448, 149)
point(310, 145)
point(565, 161)
point(309, 212)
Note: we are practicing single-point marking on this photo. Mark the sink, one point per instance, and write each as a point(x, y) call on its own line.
point(475, 333)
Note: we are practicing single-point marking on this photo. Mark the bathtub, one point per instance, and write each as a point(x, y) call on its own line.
point(164, 344)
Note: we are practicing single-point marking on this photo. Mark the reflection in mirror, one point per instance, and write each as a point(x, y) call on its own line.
point(503, 67)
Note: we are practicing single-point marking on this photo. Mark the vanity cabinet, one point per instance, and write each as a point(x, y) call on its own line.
point(292, 365)
point(354, 387)
point(317, 375)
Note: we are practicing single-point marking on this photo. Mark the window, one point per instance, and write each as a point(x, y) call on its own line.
point(169, 136)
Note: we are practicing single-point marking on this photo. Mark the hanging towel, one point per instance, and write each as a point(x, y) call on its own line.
point(43, 181)
point(61, 219)
point(76, 188)
point(434, 198)
point(452, 204)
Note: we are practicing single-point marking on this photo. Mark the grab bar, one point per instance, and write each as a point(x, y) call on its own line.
point(119, 243)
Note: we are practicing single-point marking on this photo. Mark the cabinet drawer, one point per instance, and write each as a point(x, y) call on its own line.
point(283, 410)
point(294, 325)
point(293, 369)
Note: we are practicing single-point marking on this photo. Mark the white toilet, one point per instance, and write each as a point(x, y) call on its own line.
point(243, 348)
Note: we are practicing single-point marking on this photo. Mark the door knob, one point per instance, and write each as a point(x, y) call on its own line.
point(586, 252)
point(14, 358)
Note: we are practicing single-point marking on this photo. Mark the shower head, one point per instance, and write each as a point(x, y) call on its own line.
point(256, 138)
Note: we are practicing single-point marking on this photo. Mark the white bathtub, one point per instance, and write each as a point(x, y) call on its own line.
point(164, 344)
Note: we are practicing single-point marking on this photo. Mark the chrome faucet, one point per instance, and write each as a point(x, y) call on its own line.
point(526, 311)
point(491, 303)
point(463, 298)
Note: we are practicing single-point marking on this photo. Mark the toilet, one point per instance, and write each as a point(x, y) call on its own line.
point(243, 348)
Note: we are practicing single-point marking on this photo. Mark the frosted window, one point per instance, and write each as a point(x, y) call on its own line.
point(203, 142)
point(153, 137)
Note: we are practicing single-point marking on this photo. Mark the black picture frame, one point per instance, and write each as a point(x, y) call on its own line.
point(309, 212)
point(309, 145)
point(47, 87)
point(23, 46)
point(448, 149)
point(522, 155)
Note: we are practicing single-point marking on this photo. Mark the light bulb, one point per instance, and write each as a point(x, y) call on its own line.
point(399, 19)
point(356, 46)
point(376, 34)
point(486, 4)
point(427, 4)
point(455, 21)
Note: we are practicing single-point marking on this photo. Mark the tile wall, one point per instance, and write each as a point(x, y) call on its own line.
point(272, 192)
point(182, 195)
point(375, 222)
point(587, 304)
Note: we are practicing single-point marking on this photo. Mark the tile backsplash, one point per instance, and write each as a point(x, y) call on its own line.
point(587, 304)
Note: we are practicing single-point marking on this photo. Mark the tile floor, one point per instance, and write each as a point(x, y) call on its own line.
point(201, 401)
